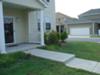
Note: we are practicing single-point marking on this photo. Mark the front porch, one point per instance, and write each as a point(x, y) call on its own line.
point(21, 47)
point(19, 24)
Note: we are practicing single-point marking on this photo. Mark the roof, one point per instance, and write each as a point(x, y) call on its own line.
point(78, 21)
point(66, 16)
point(91, 12)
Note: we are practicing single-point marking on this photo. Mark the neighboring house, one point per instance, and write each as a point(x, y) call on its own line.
point(88, 24)
point(61, 22)
point(25, 21)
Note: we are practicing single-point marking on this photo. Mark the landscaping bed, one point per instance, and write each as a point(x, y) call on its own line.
point(23, 64)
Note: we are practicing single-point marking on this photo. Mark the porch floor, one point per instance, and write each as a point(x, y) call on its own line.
point(21, 47)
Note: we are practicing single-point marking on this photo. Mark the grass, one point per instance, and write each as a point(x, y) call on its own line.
point(96, 36)
point(86, 50)
point(38, 66)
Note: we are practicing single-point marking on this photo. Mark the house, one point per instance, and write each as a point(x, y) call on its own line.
point(87, 25)
point(61, 22)
point(25, 21)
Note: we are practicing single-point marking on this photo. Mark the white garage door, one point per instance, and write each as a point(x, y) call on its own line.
point(80, 31)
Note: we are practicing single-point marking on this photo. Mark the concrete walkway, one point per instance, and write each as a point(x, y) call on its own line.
point(87, 65)
point(68, 59)
point(55, 56)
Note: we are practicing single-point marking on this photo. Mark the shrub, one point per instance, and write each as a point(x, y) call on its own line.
point(63, 36)
point(51, 38)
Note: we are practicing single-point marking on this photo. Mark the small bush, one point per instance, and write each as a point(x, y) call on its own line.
point(63, 36)
point(51, 38)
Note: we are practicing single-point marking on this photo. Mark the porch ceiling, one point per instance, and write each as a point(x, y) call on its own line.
point(24, 4)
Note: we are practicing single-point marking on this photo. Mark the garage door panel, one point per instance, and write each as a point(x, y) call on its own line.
point(80, 31)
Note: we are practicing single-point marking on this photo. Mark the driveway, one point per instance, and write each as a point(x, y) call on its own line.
point(85, 39)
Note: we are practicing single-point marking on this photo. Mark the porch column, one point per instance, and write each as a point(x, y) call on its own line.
point(42, 27)
point(93, 28)
point(2, 37)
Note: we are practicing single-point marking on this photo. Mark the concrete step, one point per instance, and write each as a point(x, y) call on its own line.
point(55, 56)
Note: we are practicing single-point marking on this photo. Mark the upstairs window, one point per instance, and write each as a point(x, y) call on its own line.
point(48, 26)
point(38, 26)
point(48, 0)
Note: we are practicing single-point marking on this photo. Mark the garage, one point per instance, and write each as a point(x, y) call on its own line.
point(80, 31)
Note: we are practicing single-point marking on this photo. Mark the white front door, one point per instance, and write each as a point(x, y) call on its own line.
point(80, 31)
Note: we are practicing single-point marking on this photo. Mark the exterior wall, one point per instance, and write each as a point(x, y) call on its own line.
point(80, 26)
point(49, 15)
point(20, 23)
point(60, 19)
point(34, 33)
point(27, 3)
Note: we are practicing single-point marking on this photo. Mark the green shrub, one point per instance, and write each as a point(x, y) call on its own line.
point(63, 36)
point(51, 38)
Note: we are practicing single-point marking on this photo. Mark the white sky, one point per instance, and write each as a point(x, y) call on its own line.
point(75, 7)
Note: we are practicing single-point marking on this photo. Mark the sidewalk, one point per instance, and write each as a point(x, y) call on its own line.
point(68, 59)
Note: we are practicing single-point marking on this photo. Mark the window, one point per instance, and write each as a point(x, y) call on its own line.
point(48, 26)
point(48, 0)
point(38, 26)
point(57, 28)
point(62, 28)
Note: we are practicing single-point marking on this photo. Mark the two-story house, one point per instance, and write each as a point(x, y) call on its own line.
point(87, 25)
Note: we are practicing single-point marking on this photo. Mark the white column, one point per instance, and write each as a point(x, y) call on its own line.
point(42, 27)
point(93, 28)
point(2, 37)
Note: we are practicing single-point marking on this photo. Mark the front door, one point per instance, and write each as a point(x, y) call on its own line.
point(8, 27)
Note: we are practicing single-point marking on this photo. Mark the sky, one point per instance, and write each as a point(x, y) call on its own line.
point(75, 7)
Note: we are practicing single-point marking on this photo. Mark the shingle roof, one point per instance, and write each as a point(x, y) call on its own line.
point(91, 12)
point(79, 21)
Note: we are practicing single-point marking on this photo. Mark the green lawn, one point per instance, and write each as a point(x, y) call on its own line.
point(86, 50)
point(38, 66)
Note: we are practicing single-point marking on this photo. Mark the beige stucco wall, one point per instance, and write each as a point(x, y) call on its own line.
point(20, 23)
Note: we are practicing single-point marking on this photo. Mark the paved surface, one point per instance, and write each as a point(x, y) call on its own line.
point(97, 69)
point(87, 65)
point(68, 59)
point(85, 39)
point(56, 56)
point(21, 47)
